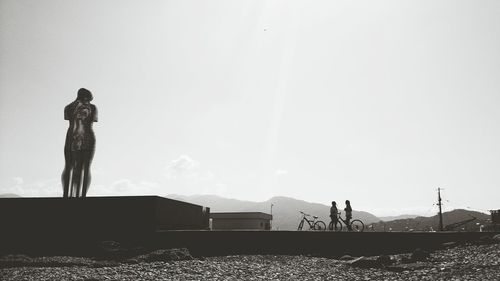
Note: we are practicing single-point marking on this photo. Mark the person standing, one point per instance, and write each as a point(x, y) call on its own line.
point(348, 214)
point(334, 215)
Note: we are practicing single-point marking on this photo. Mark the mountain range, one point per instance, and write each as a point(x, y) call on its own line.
point(286, 215)
point(458, 220)
point(400, 217)
point(286, 210)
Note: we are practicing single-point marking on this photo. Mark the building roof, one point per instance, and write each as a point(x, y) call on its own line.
point(241, 215)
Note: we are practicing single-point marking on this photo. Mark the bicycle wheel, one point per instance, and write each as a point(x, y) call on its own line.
point(301, 224)
point(320, 226)
point(337, 227)
point(357, 226)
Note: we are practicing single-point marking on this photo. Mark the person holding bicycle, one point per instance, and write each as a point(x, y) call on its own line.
point(337, 220)
point(348, 213)
point(334, 212)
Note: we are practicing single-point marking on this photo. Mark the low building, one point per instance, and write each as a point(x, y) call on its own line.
point(241, 221)
point(495, 216)
point(495, 222)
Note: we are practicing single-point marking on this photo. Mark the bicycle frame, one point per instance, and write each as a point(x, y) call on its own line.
point(309, 222)
point(340, 219)
point(314, 223)
point(343, 221)
point(358, 224)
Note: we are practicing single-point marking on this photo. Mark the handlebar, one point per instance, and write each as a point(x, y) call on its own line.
point(307, 215)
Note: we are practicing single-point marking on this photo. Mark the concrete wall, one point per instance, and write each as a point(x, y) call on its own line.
point(178, 215)
point(324, 243)
point(238, 223)
point(62, 223)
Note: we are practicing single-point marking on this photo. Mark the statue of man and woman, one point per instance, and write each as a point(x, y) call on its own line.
point(79, 147)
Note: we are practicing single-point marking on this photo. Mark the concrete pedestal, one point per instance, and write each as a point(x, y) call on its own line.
point(30, 223)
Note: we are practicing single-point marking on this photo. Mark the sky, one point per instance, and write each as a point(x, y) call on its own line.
point(379, 102)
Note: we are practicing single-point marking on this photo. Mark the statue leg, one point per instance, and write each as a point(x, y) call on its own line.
point(72, 187)
point(86, 179)
point(87, 160)
point(77, 174)
point(66, 174)
point(72, 182)
point(65, 180)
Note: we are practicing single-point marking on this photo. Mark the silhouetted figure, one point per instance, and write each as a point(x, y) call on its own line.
point(80, 145)
point(334, 214)
point(348, 214)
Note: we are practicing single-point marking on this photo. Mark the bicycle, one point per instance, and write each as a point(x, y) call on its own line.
point(355, 225)
point(314, 224)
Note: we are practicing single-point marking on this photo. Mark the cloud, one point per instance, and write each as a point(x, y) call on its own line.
point(41, 188)
point(183, 175)
point(124, 187)
point(187, 176)
point(53, 188)
point(281, 172)
point(186, 169)
point(18, 180)
point(182, 167)
point(150, 184)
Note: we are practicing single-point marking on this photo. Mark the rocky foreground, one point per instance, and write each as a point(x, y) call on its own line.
point(456, 262)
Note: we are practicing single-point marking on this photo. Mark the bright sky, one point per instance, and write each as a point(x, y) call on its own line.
point(379, 102)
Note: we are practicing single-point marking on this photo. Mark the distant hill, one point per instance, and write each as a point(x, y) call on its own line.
point(285, 210)
point(9, 195)
point(400, 217)
point(432, 223)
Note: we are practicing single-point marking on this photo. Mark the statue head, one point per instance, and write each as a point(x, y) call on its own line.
point(84, 95)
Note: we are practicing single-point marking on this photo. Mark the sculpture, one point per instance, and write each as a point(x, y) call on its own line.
point(79, 146)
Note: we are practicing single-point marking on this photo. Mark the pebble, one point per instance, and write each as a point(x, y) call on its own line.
point(473, 262)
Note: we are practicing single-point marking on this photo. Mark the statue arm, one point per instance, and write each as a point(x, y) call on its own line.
point(66, 113)
point(94, 111)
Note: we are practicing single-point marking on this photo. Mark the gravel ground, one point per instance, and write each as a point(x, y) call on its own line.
point(472, 262)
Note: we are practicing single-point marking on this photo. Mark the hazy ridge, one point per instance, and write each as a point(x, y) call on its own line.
point(432, 223)
point(399, 217)
point(285, 209)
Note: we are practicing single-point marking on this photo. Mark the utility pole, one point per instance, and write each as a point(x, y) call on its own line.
point(440, 210)
point(272, 216)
